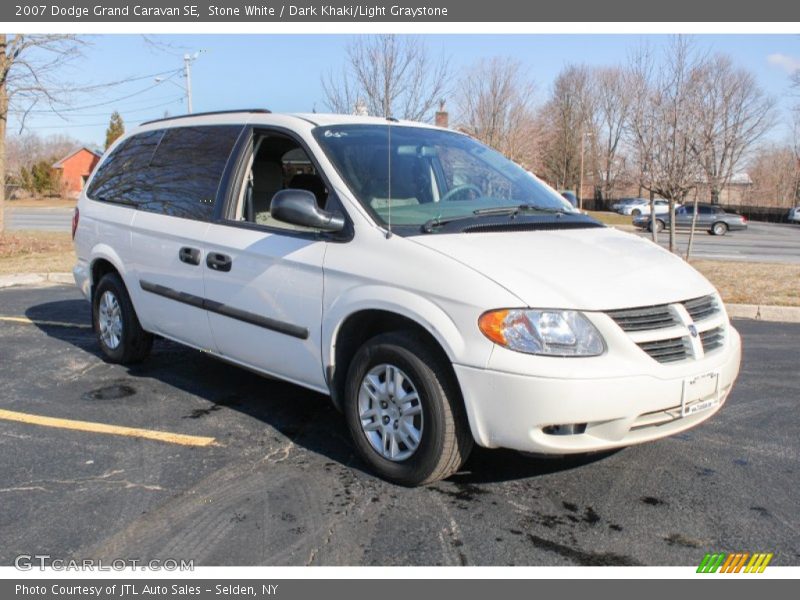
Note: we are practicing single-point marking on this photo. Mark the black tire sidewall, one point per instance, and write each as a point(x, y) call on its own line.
point(385, 349)
point(126, 350)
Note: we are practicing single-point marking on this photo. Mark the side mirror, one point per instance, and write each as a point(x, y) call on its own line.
point(299, 207)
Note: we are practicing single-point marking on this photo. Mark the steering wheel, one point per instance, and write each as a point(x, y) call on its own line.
point(460, 189)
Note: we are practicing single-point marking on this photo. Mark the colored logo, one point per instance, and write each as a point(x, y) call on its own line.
point(693, 330)
point(734, 563)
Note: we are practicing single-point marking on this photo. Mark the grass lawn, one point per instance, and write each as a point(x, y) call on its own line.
point(610, 218)
point(753, 283)
point(35, 252)
point(738, 282)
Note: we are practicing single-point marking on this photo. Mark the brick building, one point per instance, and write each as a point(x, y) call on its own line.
point(75, 168)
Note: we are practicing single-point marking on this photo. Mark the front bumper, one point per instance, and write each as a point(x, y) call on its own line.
point(512, 411)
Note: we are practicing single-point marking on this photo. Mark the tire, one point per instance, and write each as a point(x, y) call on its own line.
point(636, 212)
point(659, 226)
point(119, 333)
point(719, 229)
point(437, 417)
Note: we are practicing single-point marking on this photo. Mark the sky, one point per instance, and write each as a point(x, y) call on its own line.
point(283, 72)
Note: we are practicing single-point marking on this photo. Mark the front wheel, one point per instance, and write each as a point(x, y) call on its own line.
point(659, 226)
point(116, 325)
point(404, 410)
point(636, 212)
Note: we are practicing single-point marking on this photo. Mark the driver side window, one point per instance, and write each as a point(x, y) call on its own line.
point(278, 163)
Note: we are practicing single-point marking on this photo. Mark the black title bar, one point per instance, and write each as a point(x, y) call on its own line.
point(443, 11)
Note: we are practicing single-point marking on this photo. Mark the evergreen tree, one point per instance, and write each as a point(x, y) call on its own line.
point(115, 128)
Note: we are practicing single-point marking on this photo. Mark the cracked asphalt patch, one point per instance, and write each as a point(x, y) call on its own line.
point(283, 486)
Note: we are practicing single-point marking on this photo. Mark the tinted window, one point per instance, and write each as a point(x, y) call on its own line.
point(186, 168)
point(123, 176)
point(174, 171)
point(705, 210)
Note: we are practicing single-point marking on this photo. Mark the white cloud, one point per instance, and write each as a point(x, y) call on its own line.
point(790, 64)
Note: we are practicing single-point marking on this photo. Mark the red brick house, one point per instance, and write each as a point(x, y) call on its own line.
point(75, 169)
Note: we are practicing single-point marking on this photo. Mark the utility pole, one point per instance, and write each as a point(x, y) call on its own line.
point(187, 71)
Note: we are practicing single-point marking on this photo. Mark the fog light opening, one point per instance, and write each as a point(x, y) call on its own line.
point(567, 429)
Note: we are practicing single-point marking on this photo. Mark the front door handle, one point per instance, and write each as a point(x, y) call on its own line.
point(190, 256)
point(219, 262)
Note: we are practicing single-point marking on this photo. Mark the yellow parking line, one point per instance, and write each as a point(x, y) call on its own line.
point(149, 434)
point(27, 321)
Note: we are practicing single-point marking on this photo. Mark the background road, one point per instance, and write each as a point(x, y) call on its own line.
point(760, 242)
point(42, 219)
point(283, 487)
point(764, 242)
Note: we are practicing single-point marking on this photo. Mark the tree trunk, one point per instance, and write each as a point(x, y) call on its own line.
point(691, 231)
point(3, 123)
point(671, 224)
point(653, 229)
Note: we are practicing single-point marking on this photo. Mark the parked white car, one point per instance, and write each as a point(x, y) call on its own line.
point(437, 292)
point(794, 215)
point(661, 207)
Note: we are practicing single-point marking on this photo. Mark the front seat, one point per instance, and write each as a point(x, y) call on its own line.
point(267, 181)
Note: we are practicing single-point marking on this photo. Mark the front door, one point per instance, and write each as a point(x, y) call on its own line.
point(264, 278)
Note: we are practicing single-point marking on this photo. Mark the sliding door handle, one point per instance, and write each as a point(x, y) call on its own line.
point(219, 262)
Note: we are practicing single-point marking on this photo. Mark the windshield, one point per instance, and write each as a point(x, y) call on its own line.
point(410, 176)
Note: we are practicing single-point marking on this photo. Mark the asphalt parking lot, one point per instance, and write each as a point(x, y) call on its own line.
point(279, 483)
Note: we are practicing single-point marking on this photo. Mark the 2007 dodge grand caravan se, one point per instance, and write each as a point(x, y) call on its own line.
point(440, 294)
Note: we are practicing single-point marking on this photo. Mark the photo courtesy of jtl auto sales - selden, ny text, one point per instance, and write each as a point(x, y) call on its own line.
point(425, 298)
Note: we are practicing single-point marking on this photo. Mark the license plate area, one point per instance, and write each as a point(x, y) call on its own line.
point(700, 392)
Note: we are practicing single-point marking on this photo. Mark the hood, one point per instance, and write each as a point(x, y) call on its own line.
point(586, 269)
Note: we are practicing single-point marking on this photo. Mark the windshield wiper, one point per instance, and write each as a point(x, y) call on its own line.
point(511, 211)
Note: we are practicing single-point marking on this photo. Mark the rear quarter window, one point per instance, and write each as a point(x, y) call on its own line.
point(174, 171)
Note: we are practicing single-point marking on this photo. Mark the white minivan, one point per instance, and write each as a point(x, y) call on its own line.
point(440, 294)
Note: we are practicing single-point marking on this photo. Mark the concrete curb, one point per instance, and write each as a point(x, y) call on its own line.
point(16, 279)
point(759, 312)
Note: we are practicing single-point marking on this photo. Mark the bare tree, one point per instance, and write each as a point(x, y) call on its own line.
point(614, 104)
point(495, 106)
point(663, 124)
point(30, 66)
point(733, 113)
point(775, 172)
point(394, 76)
point(568, 115)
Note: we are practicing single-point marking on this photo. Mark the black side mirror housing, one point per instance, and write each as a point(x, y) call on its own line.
point(299, 207)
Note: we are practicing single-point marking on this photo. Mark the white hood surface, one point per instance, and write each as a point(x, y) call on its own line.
point(586, 269)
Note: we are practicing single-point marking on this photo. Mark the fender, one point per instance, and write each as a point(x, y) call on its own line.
point(402, 302)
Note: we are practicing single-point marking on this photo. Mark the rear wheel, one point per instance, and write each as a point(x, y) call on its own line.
point(719, 229)
point(116, 325)
point(636, 212)
point(404, 410)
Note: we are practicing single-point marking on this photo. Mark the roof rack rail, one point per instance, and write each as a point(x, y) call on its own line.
point(212, 112)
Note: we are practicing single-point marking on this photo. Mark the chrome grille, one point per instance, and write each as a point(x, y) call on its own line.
point(712, 339)
point(666, 351)
point(643, 319)
point(701, 308)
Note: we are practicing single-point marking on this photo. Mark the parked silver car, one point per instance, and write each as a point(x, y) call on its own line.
point(710, 218)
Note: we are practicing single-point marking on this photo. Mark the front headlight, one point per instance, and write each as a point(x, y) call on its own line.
point(546, 332)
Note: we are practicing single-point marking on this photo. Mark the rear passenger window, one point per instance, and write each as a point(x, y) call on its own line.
point(169, 171)
point(123, 176)
point(186, 168)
